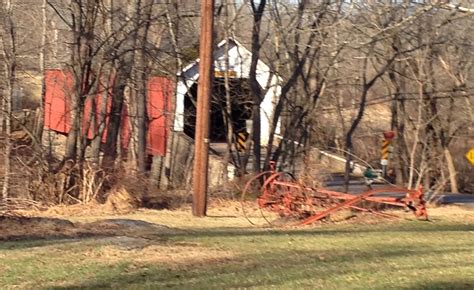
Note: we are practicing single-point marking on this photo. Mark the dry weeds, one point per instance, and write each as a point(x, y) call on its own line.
point(121, 200)
point(95, 219)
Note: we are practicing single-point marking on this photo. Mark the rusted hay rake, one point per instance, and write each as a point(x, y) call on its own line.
point(281, 193)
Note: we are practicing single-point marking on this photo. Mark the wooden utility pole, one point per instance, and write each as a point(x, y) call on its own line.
point(201, 140)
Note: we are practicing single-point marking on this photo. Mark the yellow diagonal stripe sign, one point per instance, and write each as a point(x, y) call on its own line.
point(470, 156)
point(241, 141)
point(384, 150)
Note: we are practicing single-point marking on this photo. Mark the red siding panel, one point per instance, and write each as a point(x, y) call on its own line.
point(58, 87)
point(160, 91)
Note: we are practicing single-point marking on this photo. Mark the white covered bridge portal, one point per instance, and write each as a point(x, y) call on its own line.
point(234, 59)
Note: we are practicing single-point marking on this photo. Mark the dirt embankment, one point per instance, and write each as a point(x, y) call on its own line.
point(30, 228)
point(36, 222)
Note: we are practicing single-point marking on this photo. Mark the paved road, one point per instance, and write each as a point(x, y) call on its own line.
point(453, 198)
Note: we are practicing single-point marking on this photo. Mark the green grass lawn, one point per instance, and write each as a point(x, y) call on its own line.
point(397, 255)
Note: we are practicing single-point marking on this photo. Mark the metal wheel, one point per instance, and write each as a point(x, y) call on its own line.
point(252, 189)
point(284, 197)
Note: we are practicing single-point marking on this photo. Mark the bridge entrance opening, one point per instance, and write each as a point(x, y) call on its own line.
point(241, 108)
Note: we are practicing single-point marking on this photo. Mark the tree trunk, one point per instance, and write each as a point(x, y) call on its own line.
point(7, 133)
point(349, 145)
point(451, 170)
point(227, 110)
point(254, 85)
point(73, 135)
point(42, 66)
point(173, 29)
point(8, 36)
point(416, 137)
point(8, 144)
point(100, 126)
point(256, 134)
point(143, 11)
point(84, 16)
point(142, 125)
point(115, 121)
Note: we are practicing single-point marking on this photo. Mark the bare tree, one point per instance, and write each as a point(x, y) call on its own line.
point(255, 89)
point(143, 10)
point(9, 51)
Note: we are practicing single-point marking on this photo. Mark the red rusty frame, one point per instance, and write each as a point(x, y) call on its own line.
point(292, 199)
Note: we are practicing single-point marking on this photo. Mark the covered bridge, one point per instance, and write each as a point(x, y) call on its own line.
point(233, 58)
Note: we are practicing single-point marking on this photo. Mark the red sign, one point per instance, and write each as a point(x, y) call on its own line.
point(389, 135)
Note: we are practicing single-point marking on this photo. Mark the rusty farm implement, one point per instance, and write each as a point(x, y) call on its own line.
point(282, 194)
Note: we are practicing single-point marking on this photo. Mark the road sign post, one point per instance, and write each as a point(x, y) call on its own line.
point(386, 150)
